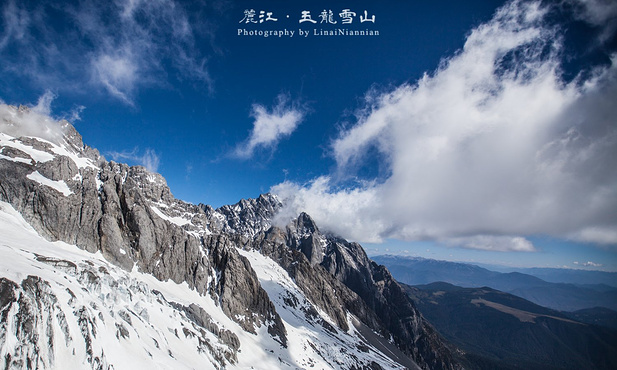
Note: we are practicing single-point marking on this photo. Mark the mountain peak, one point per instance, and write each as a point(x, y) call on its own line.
point(296, 291)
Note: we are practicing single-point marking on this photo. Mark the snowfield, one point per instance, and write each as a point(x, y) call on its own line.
point(73, 310)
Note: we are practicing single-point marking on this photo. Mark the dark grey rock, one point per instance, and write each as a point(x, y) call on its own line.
point(337, 276)
point(33, 303)
point(131, 217)
point(111, 211)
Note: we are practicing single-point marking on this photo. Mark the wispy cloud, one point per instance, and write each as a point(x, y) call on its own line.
point(118, 74)
point(588, 264)
point(491, 147)
point(15, 21)
point(118, 47)
point(148, 158)
point(492, 243)
point(34, 121)
point(43, 106)
point(601, 13)
point(74, 114)
point(270, 126)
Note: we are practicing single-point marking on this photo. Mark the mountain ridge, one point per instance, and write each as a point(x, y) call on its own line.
point(129, 217)
point(497, 330)
point(559, 296)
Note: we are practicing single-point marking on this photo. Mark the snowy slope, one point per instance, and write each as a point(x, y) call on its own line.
point(88, 313)
point(95, 313)
point(102, 267)
point(310, 331)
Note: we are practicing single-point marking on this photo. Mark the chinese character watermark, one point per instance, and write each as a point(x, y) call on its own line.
point(366, 18)
point(327, 17)
point(268, 17)
point(306, 17)
point(249, 16)
point(347, 16)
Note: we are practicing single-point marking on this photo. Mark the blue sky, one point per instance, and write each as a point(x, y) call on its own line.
point(479, 131)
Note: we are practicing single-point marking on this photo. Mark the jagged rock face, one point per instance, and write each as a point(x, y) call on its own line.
point(249, 216)
point(246, 298)
point(362, 287)
point(374, 284)
point(68, 192)
point(25, 307)
point(80, 198)
point(131, 320)
point(100, 306)
point(304, 236)
point(321, 288)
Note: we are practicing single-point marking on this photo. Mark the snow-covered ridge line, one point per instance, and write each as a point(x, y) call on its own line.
point(96, 313)
point(129, 219)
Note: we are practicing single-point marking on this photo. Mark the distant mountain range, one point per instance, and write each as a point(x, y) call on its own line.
point(599, 316)
point(563, 275)
point(560, 293)
point(496, 330)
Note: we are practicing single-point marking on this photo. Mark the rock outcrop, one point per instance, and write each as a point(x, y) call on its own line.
point(127, 213)
point(339, 277)
point(69, 192)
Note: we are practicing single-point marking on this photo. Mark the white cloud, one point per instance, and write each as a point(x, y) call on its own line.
point(134, 48)
point(118, 47)
point(492, 243)
point(118, 74)
point(603, 235)
point(75, 114)
point(597, 12)
point(335, 211)
point(601, 13)
point(15, 21)
point(35, 120)
point(588, 264)
point(270, 127)
point(43, 105)
point(492, 146)
point(149, 158)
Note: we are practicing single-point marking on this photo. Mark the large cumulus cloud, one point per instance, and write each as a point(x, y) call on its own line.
point(492, 147)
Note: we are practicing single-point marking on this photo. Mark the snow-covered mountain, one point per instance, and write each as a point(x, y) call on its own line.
point(101, 267)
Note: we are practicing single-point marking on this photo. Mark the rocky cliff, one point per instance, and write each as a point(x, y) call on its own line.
point(68, 192)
